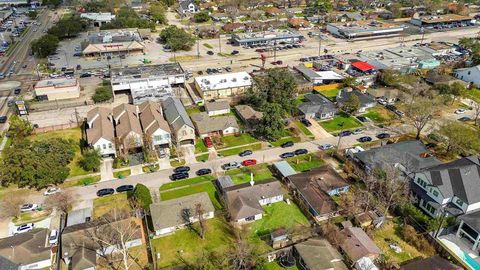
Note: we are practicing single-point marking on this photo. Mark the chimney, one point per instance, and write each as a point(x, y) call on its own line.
point(251, 179)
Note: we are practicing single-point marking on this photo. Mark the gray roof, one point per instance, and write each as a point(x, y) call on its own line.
point(84, 258)
point(358, 244)
point(219, 105)
point(29, 247)
point(206, 124)
point(431, 263)
point(284, 168)
point(166, 214)
point(6, 264)
point(224, 181)
point(460, 178)
point(308, 73)
point(176, 114)
point(183, 4)
point(407, 153)
point(319, 254)
point(317, 104)
point(79, 216)
point(343, 96)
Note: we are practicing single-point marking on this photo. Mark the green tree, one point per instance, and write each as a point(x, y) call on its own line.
point(272, 124)
point(69, 27)
point(141, 194)
point(54, 3)
point(459, 137)
point(455, 90)
point(90, 160)
point(96, 6)
point(168, 3)
point(322, 5)
point(102, 94)
point(201, 17)
point(45, 45)
point(177, 38)
point(126, 17)
point(352, 104)
point(157, 11)
point(350, 81)
point(32, 14)
point(19, 127)
point(388, 77)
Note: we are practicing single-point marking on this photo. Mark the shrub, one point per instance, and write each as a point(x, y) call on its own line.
point(142, 195)
point(90, 160)
point(102, 94)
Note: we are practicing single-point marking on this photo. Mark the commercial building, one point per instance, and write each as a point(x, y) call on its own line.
point(319, 77)
point(122, 41)
point(363, 29)
point(227, 85)
point(98, 19)
point(442, 21)
point(266, 37)
point(13, 2)
point(55, 89)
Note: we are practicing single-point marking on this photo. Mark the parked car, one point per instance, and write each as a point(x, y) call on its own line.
point(249, 162)
point(287, 155)
point(245, 153)
point(362, 118)
point(180, 169)
point(24, 228)
point(51, 191)
point(235, 52)
point(301, 151)
point(357, 131)
point(17, 91)
point(345, 133)
point(85, 75)
point(203, 171)
point(208, 142)
point(305, 122)
point(465, 119)
point(230, 165)
point(365, 139)
point(53, 238)
point(287, 144)
point(105, 191)
point(210, 53)
point(179, 176)
point(28, 207)
point(383, 135)
point(124, 188)
point(3, 119)
point(325, 146)
point(460, 111)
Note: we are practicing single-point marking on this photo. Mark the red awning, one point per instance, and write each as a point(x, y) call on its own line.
point(362, 66)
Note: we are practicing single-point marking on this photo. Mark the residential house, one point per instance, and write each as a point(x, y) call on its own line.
point(218, 17)
point(453, 186)
point(99, 131)
point(186, 7)
point(215, 126)
point(366, 101)
point(283, 169)
point(299, 23)
point(357, 244)
point(435, 78)
point(470, 75)
point(390, 95)
point(434, 262)
point(233, 26)
point(154, 126)
point(274, 11)
point(224, 182)
point(80, 244)
point(318, 254)
point(171, 215)
point(245, 201)
point(217, 107)
point(249, 116)
point(98, 19)
point(208, 31)
point(181, 126)
point(127, 128)
point(318, 107)
point(229, 85)
point(29, 250)
point(324, 177)
point(469, 230)
point(407, 156)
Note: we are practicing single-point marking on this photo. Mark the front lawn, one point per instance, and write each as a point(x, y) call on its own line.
point(200, 147)
point(341, 121)
point(330, 94)
point(189, 245)
point(237, 150)
point(281, 141)
point(104, 205)
point(242, 175)
point(187, 182)
point(305, 162)
point(275, 266)
point(232, 141)
point(379, 114)
point(122, 174)
point(303, 128)
point(189, 190)
point(473, 94)
point(81, 182)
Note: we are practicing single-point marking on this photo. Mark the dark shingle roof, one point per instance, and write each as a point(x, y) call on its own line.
point(176, 114)
point(6, 264)
point(30, 247)
point(343, 96)
point(431, 263)
point(317, 104)
point(319, 254)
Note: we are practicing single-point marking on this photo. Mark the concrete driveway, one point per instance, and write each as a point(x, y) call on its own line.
point(188, 153)
point(45, 223)
point(106, 169)
point(318, 131)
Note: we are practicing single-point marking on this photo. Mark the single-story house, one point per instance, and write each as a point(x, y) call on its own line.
point(171, 215)
point(366, 101)
point(318, 107)
point(245, 201)
point(249, 116)
point(217, 107)
point(433, 77)
point(390, 95)
point(224, 182)
point(214, 126)
point(99, 131)
point(29, 250)
point(357, 244)
point(434, 262)
point(233, 26)
point(318, 254)
point(98, 19)
point(470, 75)
point(324, 177)
point(299, 23)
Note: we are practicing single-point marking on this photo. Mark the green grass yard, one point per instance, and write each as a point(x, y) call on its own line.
point(81, 182)
point(281, 141)
point(187, 182)
point(194, 109)
point(379, 115)
point(242, 175)
point(232, 141)
point(330, 94)
point(303, 128)
point(104, 205)
point(200, 147)
point(305, 162)
point(237, 150)
point(189, 190)
point(275, 266)
point(473, 94)
point(122, 173)
point(340, 122)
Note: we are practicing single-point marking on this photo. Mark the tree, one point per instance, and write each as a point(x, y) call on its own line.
point(352, 104)
point(322, 5)
point(126, 17)
point(10, 205)
point(350, 81)
point(102, 94)
point(457, 90)
point(201, 17)
point(177, 38)
point(32, 14)
point(60, 201)
point(199, 213)
point(90, 160)
point(69, 27)
point(476, 112)
point(390, 189)
point(45, 45)
point(54, 3)
point(157, 11)
point(388, 77)
point(19, 127)
point(459, 137)
point(141, 194)
point(272, 124)
point(420, 113)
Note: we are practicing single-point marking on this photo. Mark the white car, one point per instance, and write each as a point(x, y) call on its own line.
point(230, 165)
point(460, 111)
point(53, 238)
point(51, 191)
point(28, 207)
point(325, 146)
point(24, 228)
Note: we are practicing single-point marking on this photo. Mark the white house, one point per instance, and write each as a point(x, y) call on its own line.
point(471, 75)
point(187, 7)
point(171, 215)
point(99, 131)
point(154, 125)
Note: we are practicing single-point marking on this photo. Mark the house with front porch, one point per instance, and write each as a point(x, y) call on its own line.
point(128, 130)
point(154, 126)
point(99, 131)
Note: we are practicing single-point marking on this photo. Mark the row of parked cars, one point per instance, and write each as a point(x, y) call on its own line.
point(279, 48)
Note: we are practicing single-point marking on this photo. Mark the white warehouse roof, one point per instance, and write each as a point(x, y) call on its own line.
point(224, 81)
point(329, 75)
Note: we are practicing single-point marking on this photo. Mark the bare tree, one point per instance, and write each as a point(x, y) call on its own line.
point(476, 111)
point(61, 201)
point(390, 189)
point(10, 205)
point(420, 113)
point(332, 233)
point(200, 212)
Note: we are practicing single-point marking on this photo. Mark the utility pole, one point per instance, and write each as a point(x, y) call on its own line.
point(220, 43)
point(275, 51)
point(198, 49)
point(319, 43)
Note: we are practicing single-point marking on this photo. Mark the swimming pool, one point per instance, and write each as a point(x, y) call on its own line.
point(468, 261)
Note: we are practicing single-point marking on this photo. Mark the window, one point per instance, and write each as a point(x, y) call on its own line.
point(104, 146)
point(110, 146)
point(422, 183)
point(157, 138)
point(469, 72)
point(459, 202)
point(435, 193)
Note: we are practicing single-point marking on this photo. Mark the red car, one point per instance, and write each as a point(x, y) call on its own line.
point(249, 162)
point(208, 142)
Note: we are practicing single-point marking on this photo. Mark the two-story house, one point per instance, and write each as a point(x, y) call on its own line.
point(154, 125)
point(127, 128)
point(186, 7)
point(99, 131)
point(181, 126)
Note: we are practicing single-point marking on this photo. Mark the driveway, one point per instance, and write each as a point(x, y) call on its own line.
point(188, 153)
point(106, 169)
point(318, 131)
point(45, 223)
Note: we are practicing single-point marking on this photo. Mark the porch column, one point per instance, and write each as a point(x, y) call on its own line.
point(475, 244)
point(459, 228)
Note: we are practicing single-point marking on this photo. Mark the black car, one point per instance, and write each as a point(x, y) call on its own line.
point(179, 176)
point(287, 155)
point(3, 119)
point(210, 53)
point(301, 151)
point(383, 135)
point(365, 139)
point(181, 169)
point(203, 172)
point(235, 52)
point(105, 191)
point(345, 133)
point(464, 119)
point(391, 107)
point(305, 122)
point(245, 153)
point(124, 188)
point(85, 75)
point(17, 91)
point(362, 118)
point(287, 144)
